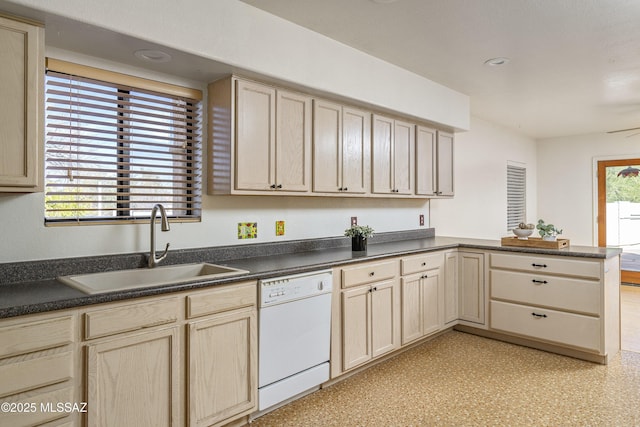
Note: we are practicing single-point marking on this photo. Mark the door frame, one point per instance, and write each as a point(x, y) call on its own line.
point(601, 208)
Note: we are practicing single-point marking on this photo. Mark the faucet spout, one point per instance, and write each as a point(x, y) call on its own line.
point(164, 224)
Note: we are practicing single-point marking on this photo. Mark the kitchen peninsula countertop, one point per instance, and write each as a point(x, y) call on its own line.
point(36, 296)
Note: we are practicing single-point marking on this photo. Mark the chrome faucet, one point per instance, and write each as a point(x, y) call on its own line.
point(164, 221)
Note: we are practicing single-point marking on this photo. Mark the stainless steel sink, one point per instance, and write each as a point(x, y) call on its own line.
point(110, 281)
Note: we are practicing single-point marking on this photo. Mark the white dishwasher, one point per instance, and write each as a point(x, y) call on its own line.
point(295, 335)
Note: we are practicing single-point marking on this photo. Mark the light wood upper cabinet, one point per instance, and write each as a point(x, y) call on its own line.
point(393, 156)
point(21, 112)
point(259, 139)
point(341, 147)
point(445, 164)
point(434, 162)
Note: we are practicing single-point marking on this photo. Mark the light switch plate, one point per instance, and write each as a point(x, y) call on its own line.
point(354, 220)
point(421, 219)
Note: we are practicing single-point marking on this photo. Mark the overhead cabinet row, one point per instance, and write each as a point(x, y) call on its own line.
point(264, 139)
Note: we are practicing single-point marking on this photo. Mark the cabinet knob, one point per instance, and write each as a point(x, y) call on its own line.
point(272, 186)
point(424, 276)
point(345, 189)
point(279, 186)
point(375, 288)
point(340, 189)
point(424, 263)
point(372, 273)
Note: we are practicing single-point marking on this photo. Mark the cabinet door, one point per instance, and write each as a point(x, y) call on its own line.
point(355, 150)
point(382, 155)
point(293, 142)
point(356, 326)
point(403, 157)
point(135, 380)
point(445, 164)
point(411, 308)
point(255, 136)
point(222, 367)
point(471, 277)
point(21, 86)
point(425, 161)
point(430, 285)
point(385, 317)
point(327, 147)
point(450, 287)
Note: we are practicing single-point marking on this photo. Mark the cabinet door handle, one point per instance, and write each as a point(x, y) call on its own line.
point(375, 288)
point(272, 186)
point(538, 316)
point(279, 186)
point(539, 265)
point(340, 189)
point(540, 282)
point(424, 263)
point(372, 274)
point(345, 189)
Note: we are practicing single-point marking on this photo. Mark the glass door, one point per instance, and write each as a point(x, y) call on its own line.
point(619, 212)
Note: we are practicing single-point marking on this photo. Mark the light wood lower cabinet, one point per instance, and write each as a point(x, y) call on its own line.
point(369, 313)
point(422, 287)
point(189, 359)
point(450, 303)
point(134, 381)
point(38, 369)
point(471, 286)
point(564, 301)
point(222, 367)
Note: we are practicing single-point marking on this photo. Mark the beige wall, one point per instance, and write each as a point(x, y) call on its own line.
point(479, 208)
point(566, 180)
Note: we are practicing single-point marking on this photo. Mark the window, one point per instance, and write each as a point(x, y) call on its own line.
point(516, 196)
point(116, 145)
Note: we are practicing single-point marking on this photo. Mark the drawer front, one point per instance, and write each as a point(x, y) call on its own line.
point(551, 291)
point(370, 272)
point(35, 373)
point(33, 415)
point(549, 325)
point(222, 299)
point(34, 336)
point(552, 265)
point(131, 317)
point(418, 263)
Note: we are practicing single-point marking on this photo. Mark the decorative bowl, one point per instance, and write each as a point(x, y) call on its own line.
point(523, 233)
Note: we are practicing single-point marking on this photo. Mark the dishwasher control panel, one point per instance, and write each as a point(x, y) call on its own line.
point(297, 286)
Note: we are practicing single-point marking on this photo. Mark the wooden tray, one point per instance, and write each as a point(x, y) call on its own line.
point(535, 242)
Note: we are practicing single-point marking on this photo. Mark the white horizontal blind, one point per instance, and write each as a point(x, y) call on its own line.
point(112, 151)
point(516, 196)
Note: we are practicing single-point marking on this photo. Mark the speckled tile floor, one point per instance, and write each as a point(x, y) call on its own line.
point(459, 379)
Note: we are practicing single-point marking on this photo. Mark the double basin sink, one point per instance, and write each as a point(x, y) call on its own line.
point(140, 278)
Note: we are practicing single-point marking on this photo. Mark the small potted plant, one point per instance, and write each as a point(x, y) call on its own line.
point(547, 231)
point(359, 235)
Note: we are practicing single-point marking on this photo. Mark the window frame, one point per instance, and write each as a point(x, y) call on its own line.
point(128, 205)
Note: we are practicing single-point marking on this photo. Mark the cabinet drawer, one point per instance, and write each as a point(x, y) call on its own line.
point(222, 299)
point(45, 400)
point(370, 272)
point(549, 325)
point(130, 317)
point(553, 265)
point(35, 373)
point(552, 291)
point(34, 336)
point(415, 264)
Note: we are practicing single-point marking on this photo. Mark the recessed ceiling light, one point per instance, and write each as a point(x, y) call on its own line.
point(497, 62)
point(152, 55)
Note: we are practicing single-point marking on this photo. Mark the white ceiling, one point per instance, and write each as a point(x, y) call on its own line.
point(574, 69)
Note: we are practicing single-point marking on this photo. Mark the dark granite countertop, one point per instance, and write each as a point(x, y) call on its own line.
point(36, 295)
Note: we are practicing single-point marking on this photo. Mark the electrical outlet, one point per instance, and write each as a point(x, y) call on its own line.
point(354, 220)
point(421, 219)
